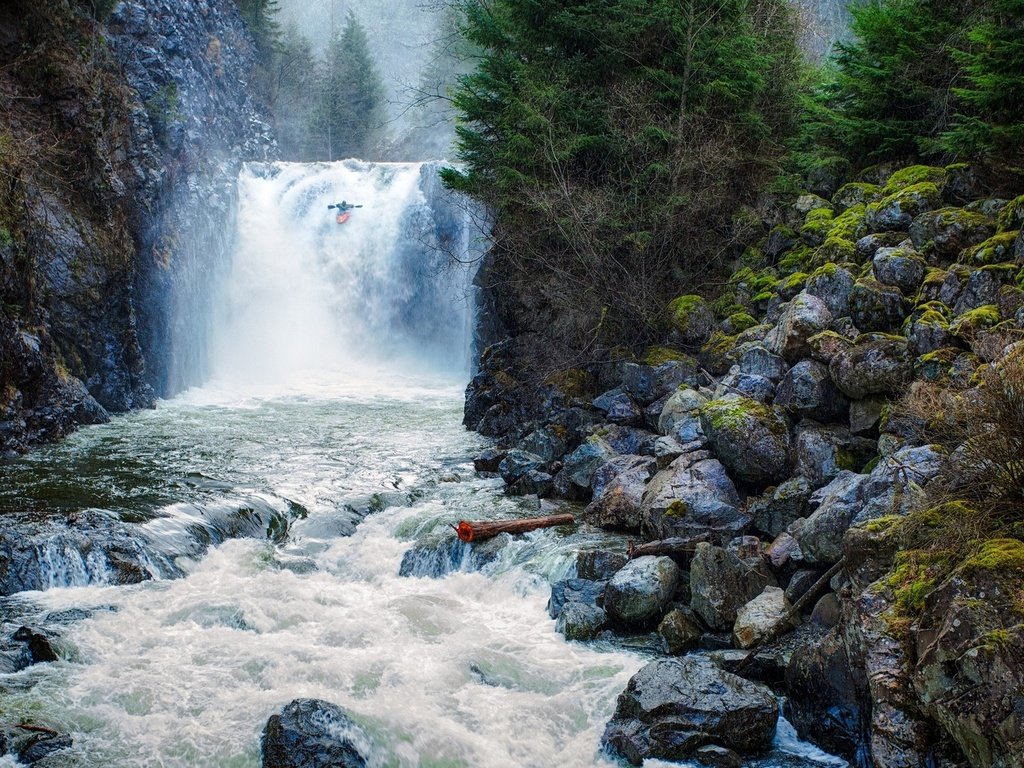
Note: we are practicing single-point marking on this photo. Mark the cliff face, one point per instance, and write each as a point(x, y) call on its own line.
point(120, 142)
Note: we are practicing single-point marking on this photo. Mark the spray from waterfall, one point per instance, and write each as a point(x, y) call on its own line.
point(308, 297)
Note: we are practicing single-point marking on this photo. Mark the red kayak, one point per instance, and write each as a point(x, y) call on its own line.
point(341, 218)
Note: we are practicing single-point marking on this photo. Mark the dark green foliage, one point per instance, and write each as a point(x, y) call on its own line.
point(261, 18)
point(991, 101)
point(295, 74)
point(350, 114)
point(615, 138)
point(921, 78)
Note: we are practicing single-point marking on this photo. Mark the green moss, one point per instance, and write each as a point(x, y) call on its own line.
point(870, 467)
point(725, 305)
point(677, 508)
point(998, 555)
point(5, 237)
point(857, 192)
point(796, 259)
point(682, 309)
point(907, 195)
point(736, 413)
point(1011, 216)
point(715, 353)
point(851, 224)
point(792, 285)
point(835, 250)
point(913, 577)
point(739, 322)
point(996, 249)
point(884, 523)
point(817, 225)
point(658, 355)
point(763, 297)
point(914, 175)
point(969, 322)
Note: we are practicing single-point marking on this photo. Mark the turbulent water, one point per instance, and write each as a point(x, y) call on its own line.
point(325, 413)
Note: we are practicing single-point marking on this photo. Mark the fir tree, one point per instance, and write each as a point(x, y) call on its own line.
point(350, 117)
point(990, 119)
point(295, 74)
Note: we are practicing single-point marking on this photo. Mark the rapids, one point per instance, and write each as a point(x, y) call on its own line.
point(334, 404)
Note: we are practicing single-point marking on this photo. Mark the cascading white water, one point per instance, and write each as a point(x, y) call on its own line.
point(308, 296)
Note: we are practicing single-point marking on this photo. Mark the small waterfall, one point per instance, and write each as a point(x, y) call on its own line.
point(306, 296)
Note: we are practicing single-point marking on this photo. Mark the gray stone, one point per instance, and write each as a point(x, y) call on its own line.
point(629, 440)
point(749, 385)
point(680, 631)
point(868, 245)
point(580, 465)
point(672, 707)
point(948, 231)
point(693, 497)
point(899, 267)
point(619, 408)
point(774, 512)
point(834, 286)
point(580, 621)
point(545, 443)
point(898, 211)
point(753, 358)
point(807, 391)
point(598, 564)
point(713, 756)
point(619, 486)
point(759, 616)
point(749, 438)
point(873, 367)
point(803, 317)
point(638, 593)
point(876, 307)
point(826, 612)
point(865, 415)
point(784, 552)
point(517, 464)
point(680, 418)
point(982, 287)
point(310, 733)
point(585, 591)
point(721, 583)
point(823, 452)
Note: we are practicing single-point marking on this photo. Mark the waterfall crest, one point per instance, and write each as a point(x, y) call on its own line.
point(307, 296)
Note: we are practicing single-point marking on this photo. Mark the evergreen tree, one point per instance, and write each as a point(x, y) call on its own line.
point(350, 116)
point(614, 139)
point(261, 18)
point(990, 119)
point(296, 75)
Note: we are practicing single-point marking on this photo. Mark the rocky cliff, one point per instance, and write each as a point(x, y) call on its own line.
point(830, 448)
point(122, 129)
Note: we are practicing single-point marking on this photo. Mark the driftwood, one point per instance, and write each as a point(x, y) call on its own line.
point(785, 622)
point(37, 729)
point(677, 549)
point(468, 530)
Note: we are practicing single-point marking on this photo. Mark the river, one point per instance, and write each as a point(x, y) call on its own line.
point(353, 439)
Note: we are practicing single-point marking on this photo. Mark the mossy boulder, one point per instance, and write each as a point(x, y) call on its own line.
point(807, 391)
point(717, 353)
point(901, 267)
point(939, 285)
point(851, 224)
point(691, 319)
point(832, 284)
point(967, 325)
point(913, 175)
point(927, 328)
point(790, 286)
point(876, 307)
point(778, 241)
point(998, 248)
point(816, 226)
point(834, 250)
point(868, 245)
point(796, 259)
point(827, 345)
point(982, 286)
point(808, 202)
point(737, 323)
point(948, 231)
point(655, 356)
point(803, 317)
point(856, 193)
point(898, 211)
point(1011, 217)
point(874, 367)
point(749, 438)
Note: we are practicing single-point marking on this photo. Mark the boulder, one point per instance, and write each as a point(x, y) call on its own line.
point(876, 307)
point(310, 733)
point(598, 564)
point(774, 512)
point(759, 617)
point(834, 286)
point(828, 700)
point(691, 319)
point(721, 583)
point(927, 329)
point(882, 366)
point(628, 440)
point(672, 707)
point(749, 438)
point(517, 464)
point(807, 391)
point(948, 231)
point(865, 416)
point(803, 317)
point(489, 459)
point(619, 486)
point(581, 621)
point(823, 452)
point(982, 288)
point(638, 593)
point(826, 346)
point(753, 358)
point(692, 497)
point(584, 591)
point(867, 246)
point(901, 267)
point(680, 418)
point(647, 383)
point(898, 211)
point(680, 631)
point(580, 465)
point(545, 442)
point(747, 384)
point(619, 408)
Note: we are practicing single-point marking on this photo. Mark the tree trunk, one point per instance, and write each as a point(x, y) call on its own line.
point(485, 529)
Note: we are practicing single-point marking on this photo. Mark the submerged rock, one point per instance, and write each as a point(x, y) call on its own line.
point(673, 707)
point(310, 733)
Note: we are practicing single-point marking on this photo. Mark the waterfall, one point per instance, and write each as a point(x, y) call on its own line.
point(306, 296)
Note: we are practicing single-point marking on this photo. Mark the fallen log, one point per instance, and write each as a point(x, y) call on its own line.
point(475, 530)
point(676, 548)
